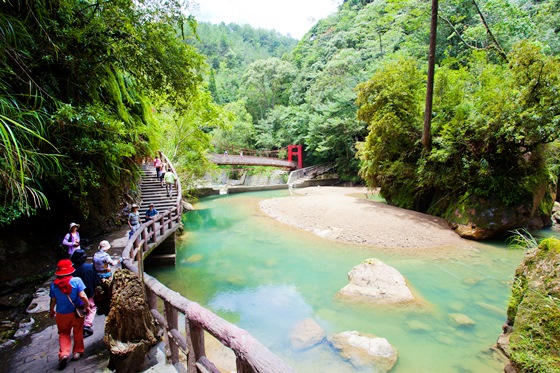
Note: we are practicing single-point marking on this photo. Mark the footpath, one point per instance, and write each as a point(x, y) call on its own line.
point(38, 350)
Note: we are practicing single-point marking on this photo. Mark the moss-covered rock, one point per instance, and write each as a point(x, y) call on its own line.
point(534, 310)
point(481, 218)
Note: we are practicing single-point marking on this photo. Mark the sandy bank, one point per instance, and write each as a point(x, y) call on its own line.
point(342, 213)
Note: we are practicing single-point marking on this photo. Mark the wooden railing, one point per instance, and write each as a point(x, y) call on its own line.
point(251, 355)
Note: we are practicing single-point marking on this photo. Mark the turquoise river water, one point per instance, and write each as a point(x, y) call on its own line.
point(265, 277)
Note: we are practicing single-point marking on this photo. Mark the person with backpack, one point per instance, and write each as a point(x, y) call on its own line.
point(102, 261)
point(67, 293)
point(157, 165)
point(71, 241)
point(170, 180)
point(87, 273)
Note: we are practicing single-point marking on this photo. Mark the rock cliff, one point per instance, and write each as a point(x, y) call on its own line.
point(531, 337)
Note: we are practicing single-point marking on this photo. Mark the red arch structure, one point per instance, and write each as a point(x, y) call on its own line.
point(296, 150)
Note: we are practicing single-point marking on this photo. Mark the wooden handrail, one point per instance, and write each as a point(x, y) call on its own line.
point(251, 355)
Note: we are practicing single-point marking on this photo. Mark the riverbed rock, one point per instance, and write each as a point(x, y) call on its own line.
point(461, 319)
point(375, 281)
point(41, 301)
point(481, 218)
point(417, 325)
point(306, 334)
point(365, 351)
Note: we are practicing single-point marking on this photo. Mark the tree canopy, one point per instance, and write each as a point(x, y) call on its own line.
point(79, 80)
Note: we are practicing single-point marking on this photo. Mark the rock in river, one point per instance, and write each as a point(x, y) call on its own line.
point(305, 334)
point(375, 281)
point(365, 351)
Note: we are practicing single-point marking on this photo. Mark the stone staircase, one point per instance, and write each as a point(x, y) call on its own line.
point(152, 192)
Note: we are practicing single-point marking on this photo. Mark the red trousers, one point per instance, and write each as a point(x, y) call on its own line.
point(65, 323)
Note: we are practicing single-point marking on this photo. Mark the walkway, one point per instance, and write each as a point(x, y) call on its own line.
point(185, 322)
point(152, 192)
point(38, 351)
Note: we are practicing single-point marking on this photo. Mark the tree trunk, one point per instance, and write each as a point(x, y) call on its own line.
point(130, 330)
point(427, 133)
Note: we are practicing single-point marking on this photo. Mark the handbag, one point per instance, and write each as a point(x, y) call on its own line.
point(79, 311)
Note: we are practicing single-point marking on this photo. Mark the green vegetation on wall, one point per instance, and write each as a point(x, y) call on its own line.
point(534, 310)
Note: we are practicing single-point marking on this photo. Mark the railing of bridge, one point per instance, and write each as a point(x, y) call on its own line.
point(279, 153)
point(251, 355)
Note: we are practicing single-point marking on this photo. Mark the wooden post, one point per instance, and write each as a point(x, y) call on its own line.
point(172, 319)
point(154, 232)
point(144, 240)
point(197, 339)
point(152, 298)
point(191, 358)
point(140, 261)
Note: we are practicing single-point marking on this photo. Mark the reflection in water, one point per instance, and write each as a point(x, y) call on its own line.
point(265, 277)
point(279, 307)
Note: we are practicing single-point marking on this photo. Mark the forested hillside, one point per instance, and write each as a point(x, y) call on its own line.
point(309, 96)
point(357, 80)
point(88, 90)
point(230, 49)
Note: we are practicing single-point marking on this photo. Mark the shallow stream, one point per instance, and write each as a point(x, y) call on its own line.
point(265, 277)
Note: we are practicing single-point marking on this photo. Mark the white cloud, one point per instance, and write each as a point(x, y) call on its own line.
point(294, 17)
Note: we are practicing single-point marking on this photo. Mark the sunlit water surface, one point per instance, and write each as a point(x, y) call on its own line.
point(265, 277)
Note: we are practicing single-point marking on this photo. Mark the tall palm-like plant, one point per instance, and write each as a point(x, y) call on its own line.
point(23, 156)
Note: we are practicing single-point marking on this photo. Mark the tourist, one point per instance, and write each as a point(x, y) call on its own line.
point(66, 294)
point(133, 220)
point(157, 165)
point(102, 261)
point(72, 239)
point(151, 215)
point(170, 179)
point(162, 173)
point(86, 272)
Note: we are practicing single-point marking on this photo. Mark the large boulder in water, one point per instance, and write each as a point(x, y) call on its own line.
point(375, 281)
point(365, 351)
point(481, 218)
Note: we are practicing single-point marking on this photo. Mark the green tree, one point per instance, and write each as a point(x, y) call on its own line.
point(241, 131)
point(267, 84)
point(491, 128)
point(92, 69)
point(391, 104)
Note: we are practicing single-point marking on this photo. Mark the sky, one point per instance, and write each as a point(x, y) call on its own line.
point(293, 17)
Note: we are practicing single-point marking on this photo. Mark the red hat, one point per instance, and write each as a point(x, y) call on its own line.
point(64, 268)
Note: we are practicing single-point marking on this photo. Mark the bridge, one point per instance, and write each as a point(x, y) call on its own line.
point(247, 157)
point(248, 160)
point(167, 305)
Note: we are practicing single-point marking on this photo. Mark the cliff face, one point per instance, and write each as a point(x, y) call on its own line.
point(533, 324)
point(30, 247)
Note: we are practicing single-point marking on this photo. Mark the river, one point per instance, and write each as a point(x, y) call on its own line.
point(265, 277)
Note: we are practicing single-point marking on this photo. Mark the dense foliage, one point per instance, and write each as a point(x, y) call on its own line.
point(316, 106)
point(491, 123)
point(79, 84)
